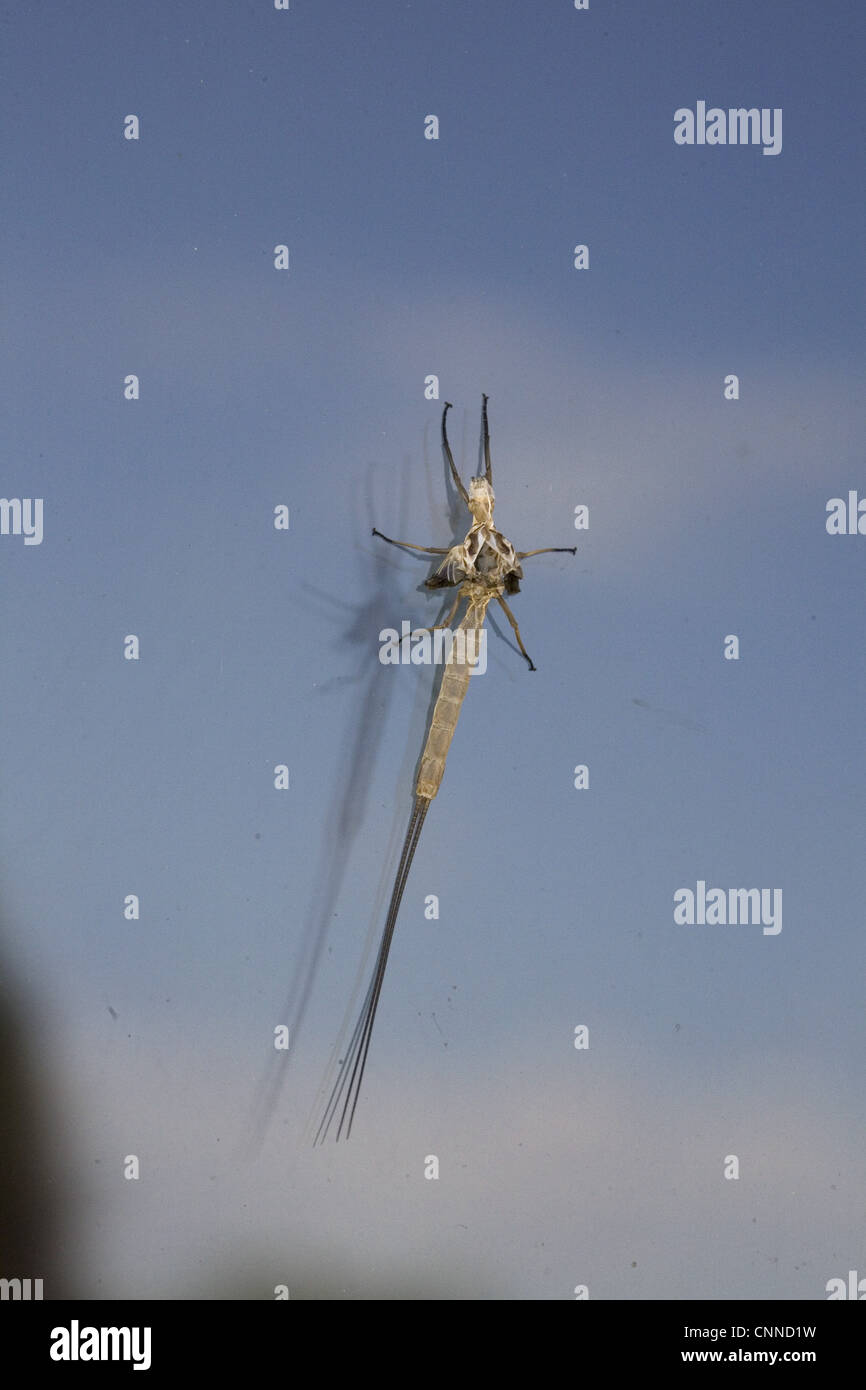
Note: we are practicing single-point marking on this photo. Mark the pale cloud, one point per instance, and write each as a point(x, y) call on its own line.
point(545, 1182)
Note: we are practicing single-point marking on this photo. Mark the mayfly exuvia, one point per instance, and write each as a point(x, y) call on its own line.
point(483, 567)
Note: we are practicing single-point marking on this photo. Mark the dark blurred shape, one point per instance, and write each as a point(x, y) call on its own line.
point(33, 1175)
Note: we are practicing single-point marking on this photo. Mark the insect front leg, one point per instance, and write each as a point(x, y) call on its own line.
point(427, 549)
point(450, 457)
point(488, 467)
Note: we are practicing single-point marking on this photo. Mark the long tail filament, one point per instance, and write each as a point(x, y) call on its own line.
point(351, 1072)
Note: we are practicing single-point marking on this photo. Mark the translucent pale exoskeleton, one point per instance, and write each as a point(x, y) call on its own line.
point(483, 567)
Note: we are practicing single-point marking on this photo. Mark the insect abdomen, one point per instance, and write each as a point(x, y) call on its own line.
point(455, 683)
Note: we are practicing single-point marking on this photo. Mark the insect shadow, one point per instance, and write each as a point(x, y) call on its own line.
point(359, 754)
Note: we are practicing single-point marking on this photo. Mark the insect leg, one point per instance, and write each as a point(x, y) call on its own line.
point(450, 457)
point(548, 550)
point(428, 549)
point(446, 622)
point(513, 621)
point(488, 467)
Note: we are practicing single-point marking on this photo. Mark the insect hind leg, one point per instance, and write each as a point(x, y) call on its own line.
point(513, 621)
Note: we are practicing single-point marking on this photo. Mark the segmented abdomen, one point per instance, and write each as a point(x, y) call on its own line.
point(455, 682)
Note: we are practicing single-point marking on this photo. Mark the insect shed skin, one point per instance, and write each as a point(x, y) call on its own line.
point(483, 568)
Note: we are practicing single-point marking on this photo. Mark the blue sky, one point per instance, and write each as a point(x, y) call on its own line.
point(409, 258)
